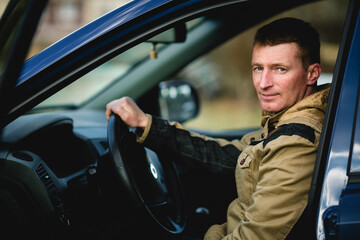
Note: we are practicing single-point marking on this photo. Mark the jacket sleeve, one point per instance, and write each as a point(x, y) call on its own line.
point(281, 193)
point(215, 155)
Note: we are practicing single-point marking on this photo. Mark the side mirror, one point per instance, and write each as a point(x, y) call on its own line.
point(178, 101)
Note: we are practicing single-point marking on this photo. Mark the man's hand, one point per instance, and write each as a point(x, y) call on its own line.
point(128, 111)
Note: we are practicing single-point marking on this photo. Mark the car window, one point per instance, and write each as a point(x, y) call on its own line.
point(3, 5)
point(223, 76)
point(355, 157)
point(63, 17)
point(353, 67)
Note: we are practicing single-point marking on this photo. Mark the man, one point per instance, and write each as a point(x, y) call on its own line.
point(273, 165)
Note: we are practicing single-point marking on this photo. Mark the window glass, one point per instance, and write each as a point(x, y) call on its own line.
point(3, 5)
point(353, 75)
point(223, 81)
point(103, 76)
point(99, 78)
point(223, 76)
point(355, 156)
point(65, 16)
point(11, 30)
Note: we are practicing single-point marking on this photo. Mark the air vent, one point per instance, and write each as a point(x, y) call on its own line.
point(22, 155)
point(45, 178)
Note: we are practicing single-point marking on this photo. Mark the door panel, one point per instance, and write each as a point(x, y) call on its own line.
point(339, 186)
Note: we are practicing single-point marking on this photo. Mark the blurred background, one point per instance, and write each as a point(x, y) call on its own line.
point(223, 76)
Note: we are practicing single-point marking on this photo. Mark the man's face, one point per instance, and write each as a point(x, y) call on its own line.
point(278, 76)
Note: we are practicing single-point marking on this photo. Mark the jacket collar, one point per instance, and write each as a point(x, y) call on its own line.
point(305, 111)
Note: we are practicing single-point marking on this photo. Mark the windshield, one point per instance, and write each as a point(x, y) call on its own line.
point(98, 79)
point(103, 76)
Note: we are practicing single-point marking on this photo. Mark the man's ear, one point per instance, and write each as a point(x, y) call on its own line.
point(313, 73)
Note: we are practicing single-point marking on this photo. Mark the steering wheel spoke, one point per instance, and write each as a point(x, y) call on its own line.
point(154, 185)
point(165, 214)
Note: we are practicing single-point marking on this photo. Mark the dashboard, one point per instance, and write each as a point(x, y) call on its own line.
point(46, 157)
point(67, 142)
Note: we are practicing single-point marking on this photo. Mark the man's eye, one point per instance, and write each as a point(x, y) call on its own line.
point(281, 69)
point(258, 68)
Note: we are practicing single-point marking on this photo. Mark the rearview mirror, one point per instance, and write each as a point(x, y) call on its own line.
point(172, 35)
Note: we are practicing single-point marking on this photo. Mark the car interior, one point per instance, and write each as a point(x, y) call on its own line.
point(68, 144)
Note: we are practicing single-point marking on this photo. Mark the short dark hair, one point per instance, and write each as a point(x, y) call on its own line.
point(292, 30)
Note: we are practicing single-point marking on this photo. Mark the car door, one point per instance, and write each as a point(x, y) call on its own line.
point(17, 28)
point(335, 192)
point(198, 195)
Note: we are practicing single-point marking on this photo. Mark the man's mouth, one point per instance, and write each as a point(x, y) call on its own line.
point(268, 96)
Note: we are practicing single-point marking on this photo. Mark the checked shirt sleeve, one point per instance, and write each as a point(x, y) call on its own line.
point(216, 155)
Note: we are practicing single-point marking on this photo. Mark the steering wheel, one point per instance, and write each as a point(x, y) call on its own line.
point(152, 184)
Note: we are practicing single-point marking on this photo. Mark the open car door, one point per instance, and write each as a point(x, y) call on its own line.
point(17, 28)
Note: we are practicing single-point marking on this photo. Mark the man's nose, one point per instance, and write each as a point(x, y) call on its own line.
point(266, 79)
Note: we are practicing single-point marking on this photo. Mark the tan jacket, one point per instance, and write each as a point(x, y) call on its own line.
point(273, 168)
